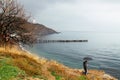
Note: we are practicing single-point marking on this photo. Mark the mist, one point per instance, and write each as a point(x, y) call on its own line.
point(76, 15)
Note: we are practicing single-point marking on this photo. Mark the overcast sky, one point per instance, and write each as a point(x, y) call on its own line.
point(76, 15)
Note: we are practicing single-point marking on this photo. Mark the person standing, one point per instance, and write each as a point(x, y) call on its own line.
point(85, 62)
point(85, 67)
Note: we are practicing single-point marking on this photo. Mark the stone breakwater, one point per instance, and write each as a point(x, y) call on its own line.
point(47, 41)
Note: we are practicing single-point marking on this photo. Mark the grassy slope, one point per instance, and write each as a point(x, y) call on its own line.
point(16, 64)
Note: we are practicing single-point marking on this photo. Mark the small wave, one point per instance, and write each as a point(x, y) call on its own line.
point(23, 48)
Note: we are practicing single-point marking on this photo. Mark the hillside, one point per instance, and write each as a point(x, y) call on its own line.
point(38, 29)
point(16, 64)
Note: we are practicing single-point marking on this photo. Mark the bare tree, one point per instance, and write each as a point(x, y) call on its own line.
point(12, 20)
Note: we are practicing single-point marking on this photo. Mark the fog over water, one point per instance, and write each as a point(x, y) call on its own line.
point(76, 15)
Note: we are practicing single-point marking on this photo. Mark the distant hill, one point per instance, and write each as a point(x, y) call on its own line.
point(43, 30)
point(39, 29)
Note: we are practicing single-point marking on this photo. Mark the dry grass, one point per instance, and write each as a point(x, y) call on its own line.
point(44, 69)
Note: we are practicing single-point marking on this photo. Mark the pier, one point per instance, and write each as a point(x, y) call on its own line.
point(50, 41)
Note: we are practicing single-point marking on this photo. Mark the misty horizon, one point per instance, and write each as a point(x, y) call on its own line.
point(76, 15)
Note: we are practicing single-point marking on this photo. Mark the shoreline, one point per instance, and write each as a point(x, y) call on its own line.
point(50, 68)
point(38, 57)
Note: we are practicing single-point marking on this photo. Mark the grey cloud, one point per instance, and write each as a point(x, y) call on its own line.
point(76, 14)
point(35, 7)
point(41, 4)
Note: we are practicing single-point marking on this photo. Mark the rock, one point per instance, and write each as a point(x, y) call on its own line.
point(106, 76)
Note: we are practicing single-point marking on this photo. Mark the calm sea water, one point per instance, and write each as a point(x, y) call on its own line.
point(104, 48)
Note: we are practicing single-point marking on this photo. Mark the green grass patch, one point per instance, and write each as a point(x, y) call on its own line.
point(8, 71)
point(57, 77)
point(83, 78)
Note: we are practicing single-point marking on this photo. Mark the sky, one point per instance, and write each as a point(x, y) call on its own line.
point(75, 15)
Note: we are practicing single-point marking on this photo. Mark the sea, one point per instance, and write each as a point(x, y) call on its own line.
point(102, 47)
